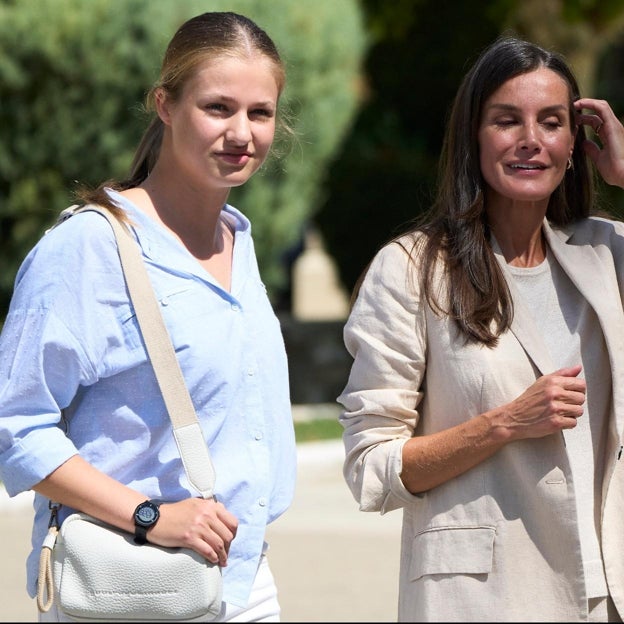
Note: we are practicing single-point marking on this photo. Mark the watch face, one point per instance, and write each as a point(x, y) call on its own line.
point(146, 515)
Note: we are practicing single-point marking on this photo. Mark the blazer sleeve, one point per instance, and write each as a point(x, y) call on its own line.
point(386, 336)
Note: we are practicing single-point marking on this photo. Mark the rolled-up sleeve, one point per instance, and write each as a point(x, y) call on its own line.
point(43, 361)
point(35, 376)
point(386, 336)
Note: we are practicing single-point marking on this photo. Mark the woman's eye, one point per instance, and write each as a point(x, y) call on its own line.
point(216, 107)
point(505, 122)
point(262, 112)
point(552, 124)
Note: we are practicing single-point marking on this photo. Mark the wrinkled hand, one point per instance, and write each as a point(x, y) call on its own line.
point(608, 153)
point(204, 525)
point(551, 404)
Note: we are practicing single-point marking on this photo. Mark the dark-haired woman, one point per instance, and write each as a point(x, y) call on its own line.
point(486, 396)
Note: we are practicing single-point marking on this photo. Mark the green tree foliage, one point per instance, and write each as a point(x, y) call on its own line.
point(579, 29)
point(385, 173)
point(73, 77)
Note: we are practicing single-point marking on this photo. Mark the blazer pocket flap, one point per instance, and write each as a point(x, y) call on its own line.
point(453, 550)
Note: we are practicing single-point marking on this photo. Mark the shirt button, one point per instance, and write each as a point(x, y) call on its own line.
point(235, 307)
point(251, 372)
point(262, 502)
point(164, 301)
point(258, 435)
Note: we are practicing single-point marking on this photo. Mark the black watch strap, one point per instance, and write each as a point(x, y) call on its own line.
point(140, 534)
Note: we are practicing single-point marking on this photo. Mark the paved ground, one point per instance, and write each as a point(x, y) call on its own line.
point(320, 550)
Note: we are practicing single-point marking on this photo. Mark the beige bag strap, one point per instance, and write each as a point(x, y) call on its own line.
point(186, 428)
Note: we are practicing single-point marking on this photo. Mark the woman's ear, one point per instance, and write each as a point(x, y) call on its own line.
point(162, 106)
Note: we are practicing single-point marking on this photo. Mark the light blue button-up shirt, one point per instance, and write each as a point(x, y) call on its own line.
point(71, 342)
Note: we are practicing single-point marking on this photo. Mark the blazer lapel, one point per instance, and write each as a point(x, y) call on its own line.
point(582, 265)
point(523, 326)
point(584, 268)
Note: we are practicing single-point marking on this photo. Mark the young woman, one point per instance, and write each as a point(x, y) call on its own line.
point(82, 421)
point(486, 396)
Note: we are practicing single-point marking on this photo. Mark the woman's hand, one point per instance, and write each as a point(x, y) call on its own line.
point(608, 154)
point(551, 404)
point(204, 525)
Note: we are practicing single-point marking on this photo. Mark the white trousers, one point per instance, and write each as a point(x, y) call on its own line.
point(263, 605)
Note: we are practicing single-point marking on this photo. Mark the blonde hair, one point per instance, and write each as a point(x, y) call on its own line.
point(201, 38)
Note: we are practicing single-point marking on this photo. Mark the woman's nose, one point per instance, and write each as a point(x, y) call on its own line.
point(239, 130)
point(529, 139)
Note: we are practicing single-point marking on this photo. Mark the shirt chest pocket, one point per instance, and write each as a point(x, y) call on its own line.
point(453, 550)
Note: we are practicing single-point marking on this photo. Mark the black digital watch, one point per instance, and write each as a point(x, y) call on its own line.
point(145, 517)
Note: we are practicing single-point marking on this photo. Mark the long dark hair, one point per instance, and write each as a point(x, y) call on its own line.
point(456, 231)
point(200, 38)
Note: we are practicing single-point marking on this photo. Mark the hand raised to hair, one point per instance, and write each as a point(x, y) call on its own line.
point(608, 156)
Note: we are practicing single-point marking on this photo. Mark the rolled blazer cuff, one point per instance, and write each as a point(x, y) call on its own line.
point(398, 495)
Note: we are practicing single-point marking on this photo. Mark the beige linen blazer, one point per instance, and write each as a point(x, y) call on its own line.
point(500, 542)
